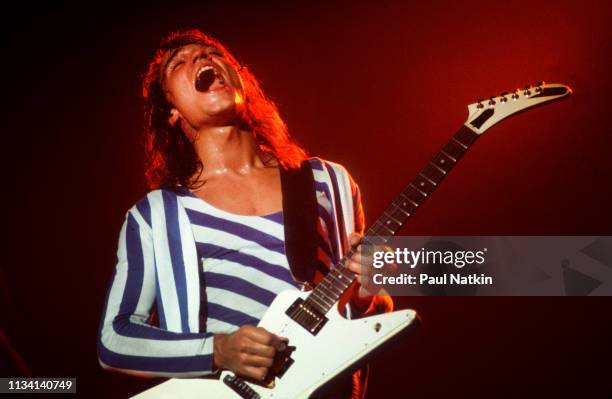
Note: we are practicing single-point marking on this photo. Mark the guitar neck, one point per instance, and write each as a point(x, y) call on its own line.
point(339, 278)
point(426, 182)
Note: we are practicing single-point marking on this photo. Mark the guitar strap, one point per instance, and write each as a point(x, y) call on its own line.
point(300, 220)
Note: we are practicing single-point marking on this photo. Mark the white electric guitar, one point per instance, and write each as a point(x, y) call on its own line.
point(322, 343)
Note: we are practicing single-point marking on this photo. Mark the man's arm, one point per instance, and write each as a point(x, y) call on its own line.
point(363, 302)
point(127, 342)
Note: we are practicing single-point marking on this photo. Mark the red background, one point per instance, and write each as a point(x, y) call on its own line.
point(378, 87)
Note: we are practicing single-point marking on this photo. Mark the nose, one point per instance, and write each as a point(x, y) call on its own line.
point(201, 55)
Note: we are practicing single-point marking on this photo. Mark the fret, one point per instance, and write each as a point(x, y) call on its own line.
point(405, 204)
point(426, 183)
point(443, 162)
point(328, 285)
point(448, 156)
point(373, 231)
point(329, 288)
point(332, 279)
point(310, 301)
point(323, 300)
point(444, 172)
point(338, 279)
point(315, 300)
point(424, 194)
point(321, 304)
point(466, 136)
point(392, 218)
point(343, 281)
point(454, 149)
point(373, 239)
point(392, 223)
point(465, 147)
point(346, 273)
point(413, 195)
point(379, 223)
point(416, 205)
point(400, 214)
point(433, 173)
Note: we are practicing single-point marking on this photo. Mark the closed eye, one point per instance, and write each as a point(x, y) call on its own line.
point(177, 64)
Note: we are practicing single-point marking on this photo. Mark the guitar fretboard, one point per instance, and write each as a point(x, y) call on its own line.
point(339, 278)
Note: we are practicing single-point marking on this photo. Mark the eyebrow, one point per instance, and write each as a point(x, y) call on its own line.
point(171, 58)
point(177, 50)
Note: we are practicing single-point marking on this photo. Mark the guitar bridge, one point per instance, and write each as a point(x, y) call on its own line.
point(306, 316)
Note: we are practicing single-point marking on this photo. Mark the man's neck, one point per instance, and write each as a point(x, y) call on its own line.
point(227, 149)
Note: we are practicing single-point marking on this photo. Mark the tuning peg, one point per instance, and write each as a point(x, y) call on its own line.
point(479, 105)
point(515, 94)
point(538, 88)
point(527, 92)
point(491, 102)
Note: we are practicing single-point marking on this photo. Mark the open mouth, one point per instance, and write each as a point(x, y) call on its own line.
point(206, 77)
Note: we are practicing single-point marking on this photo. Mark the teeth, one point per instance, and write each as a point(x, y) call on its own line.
point(205, 68)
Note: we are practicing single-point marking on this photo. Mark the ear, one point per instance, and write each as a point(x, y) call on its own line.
point(174, 117)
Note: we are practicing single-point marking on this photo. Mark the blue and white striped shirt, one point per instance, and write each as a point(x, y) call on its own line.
point(243, 260)
point(175, 249)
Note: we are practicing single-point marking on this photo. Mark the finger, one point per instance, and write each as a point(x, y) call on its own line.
point(262, 336)
point(354, 238)
point(256, 373)
point(356, 257)
point(255, 348)
point(353, 266)
point(363, 280)
point(280, 343)
point(258, 361)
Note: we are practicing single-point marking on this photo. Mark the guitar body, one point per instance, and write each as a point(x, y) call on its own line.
point(315, 360)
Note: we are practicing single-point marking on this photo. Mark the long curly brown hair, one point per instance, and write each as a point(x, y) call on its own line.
point(170, 157)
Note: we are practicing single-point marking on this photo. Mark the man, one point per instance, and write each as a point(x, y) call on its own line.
point(204, 252)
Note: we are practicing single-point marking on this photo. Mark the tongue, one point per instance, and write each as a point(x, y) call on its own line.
point(205, 80)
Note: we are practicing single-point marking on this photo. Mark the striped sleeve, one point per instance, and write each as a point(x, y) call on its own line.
point(357, 206)
point(127, 342)
point(383, 302)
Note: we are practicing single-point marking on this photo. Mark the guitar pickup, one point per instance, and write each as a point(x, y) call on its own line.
point(306, 316)
point(239, 386)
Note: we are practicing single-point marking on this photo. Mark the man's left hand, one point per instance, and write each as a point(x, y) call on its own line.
point(362, 296)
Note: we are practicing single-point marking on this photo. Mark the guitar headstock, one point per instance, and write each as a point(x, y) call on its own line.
point(487, 112)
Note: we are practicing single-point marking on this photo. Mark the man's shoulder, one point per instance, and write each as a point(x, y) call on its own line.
point(159, 194)
point(321, 164)
point(153, 200)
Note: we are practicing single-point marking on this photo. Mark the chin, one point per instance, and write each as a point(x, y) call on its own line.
point(223, 116)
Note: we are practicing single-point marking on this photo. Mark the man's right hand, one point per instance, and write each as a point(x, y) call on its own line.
point(248, 352)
